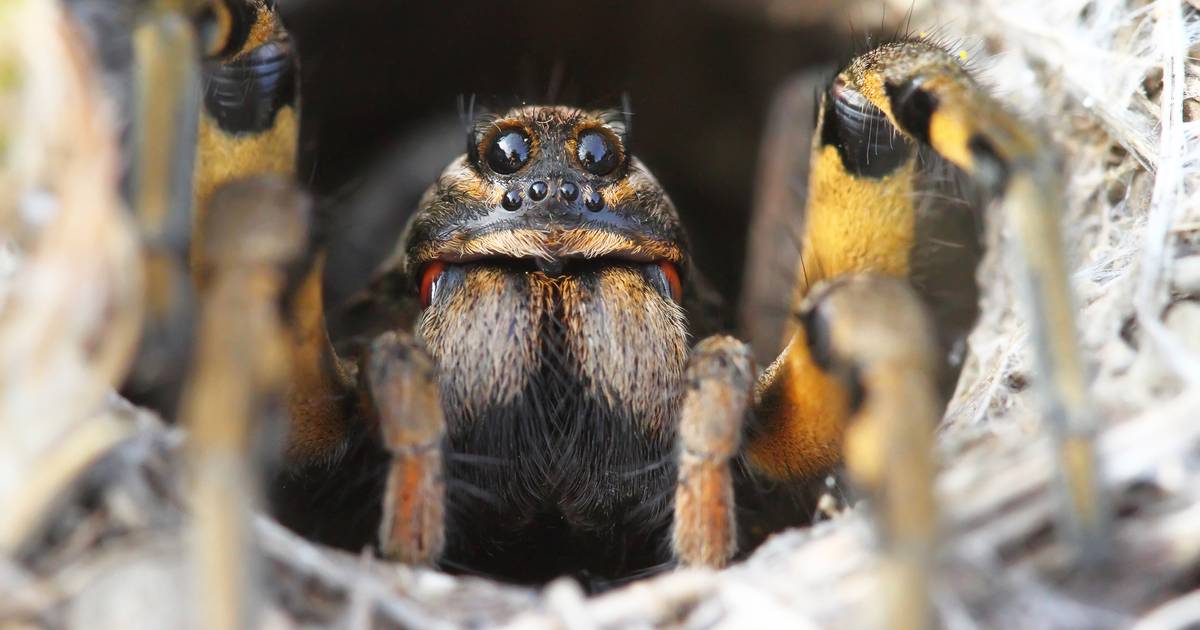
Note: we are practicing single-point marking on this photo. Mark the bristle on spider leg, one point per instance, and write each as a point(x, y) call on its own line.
point(555, 82)
point(627, 115)
point(466, 115)
point(720, 375)
point(403, 387)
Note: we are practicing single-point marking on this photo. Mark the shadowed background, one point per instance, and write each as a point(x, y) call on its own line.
point(381, 84)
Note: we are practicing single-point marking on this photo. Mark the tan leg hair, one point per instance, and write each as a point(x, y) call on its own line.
point(719, 377)
point(402, 382)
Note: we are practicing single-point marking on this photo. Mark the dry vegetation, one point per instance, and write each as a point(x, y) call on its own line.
point(94, 524)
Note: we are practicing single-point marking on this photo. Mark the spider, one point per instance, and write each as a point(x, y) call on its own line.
point(539, 386)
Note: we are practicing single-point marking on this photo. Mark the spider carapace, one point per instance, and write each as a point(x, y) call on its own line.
point(540, 392)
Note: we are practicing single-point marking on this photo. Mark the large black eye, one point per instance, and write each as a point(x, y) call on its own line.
point(509, 151)
point(596, 152)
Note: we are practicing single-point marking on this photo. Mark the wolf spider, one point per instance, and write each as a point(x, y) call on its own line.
point(528, 401)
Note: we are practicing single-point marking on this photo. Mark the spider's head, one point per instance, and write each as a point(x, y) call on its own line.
point(548, 263)
point(547, 188)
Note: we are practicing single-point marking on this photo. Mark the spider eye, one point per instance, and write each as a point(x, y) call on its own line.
point(509, 151)
point(596, 152)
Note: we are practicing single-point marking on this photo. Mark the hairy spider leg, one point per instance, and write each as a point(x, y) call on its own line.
point(249, 121)
point(192, 158)
point(879, 340)
point(166, 108)
point(719, 381)
point(239, 376)
point(861, 215)
point(248, 125)
point(927, 94)
point(402, 383)
point(877, 121)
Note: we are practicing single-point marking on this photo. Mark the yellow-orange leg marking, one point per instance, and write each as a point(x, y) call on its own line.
point(780, 193)
point(800, 412)
point(249, 120)
point(321, 398)
point(872, 206)
point(853, 222)
point(241, 367)
point(403, 387)
point(719, 376)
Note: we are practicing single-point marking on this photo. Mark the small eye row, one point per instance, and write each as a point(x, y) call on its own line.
point(568, 192)
point(511, 148)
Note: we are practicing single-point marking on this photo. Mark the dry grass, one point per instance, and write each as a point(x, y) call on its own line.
point(94, 524)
